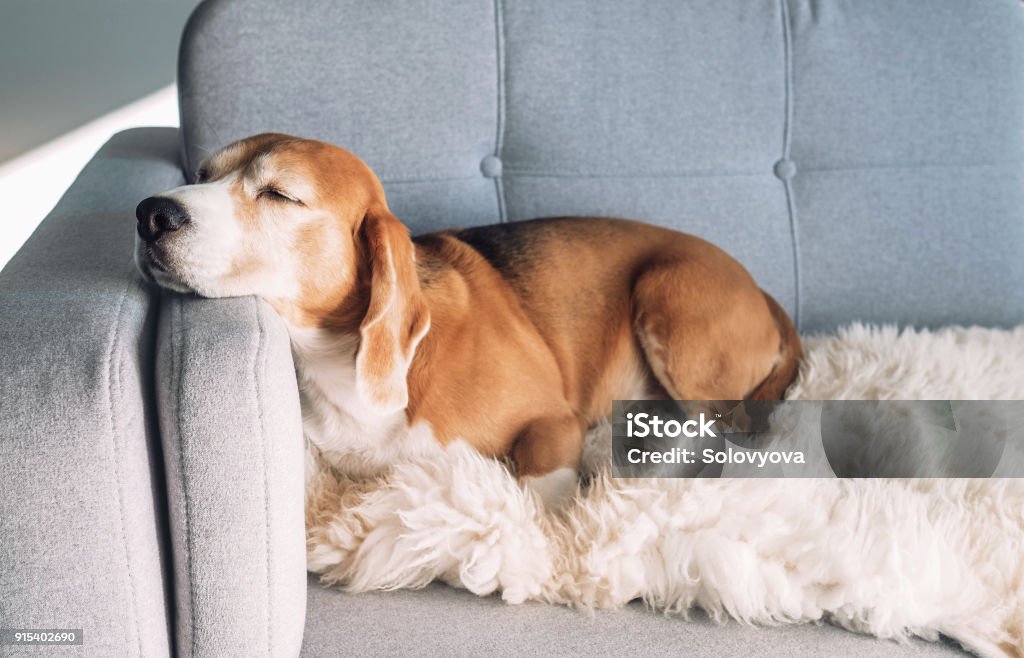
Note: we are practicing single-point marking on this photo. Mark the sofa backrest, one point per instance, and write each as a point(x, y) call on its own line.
point(863, 159)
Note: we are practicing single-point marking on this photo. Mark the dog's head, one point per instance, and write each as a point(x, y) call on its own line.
point(304, 225)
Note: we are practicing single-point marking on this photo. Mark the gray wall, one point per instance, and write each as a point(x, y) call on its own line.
point(66, 62)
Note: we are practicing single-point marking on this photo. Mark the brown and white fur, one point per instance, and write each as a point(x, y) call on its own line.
point(514, 338)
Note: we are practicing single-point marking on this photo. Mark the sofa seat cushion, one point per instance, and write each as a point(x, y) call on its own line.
point(439, 620)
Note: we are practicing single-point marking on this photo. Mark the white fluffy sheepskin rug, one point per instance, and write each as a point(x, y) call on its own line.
point(892, 558)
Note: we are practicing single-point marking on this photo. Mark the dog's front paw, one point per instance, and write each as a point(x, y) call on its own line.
point(553, 489)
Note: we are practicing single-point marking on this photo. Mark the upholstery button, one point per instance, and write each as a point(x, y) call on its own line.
point(491, 166)
point(785, 169)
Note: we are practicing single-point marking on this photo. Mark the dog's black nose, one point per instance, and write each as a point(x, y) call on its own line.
point(158, 215)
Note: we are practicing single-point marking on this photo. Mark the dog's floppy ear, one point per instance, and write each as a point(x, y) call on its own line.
point(397, 317)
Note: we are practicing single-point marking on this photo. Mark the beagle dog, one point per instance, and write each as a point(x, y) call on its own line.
point(514, 338)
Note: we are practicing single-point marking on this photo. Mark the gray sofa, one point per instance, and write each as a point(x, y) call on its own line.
point(864, 160)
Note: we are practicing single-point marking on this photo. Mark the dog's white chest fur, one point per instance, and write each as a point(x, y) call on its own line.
point(350, 435)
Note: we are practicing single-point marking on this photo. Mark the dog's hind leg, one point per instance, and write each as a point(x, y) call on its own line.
point(705, 336)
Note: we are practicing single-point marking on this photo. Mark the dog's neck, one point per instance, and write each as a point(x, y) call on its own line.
point(325, 364)
point(348, 433)
point(325, 338)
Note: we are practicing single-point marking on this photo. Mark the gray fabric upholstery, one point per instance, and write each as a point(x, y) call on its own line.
point(82, 527)
point(232, 436)
point(900, 128)
point(440, 621)
point(864, 160)
point(908, 137)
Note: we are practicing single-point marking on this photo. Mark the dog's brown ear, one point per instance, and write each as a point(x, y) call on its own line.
point(397, 317)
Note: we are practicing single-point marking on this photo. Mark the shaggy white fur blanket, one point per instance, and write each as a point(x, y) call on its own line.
point(892, 558)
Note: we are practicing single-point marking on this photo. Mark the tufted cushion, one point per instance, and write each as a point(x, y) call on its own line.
point(863, 159)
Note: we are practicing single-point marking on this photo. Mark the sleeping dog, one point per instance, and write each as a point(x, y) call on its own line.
point(514, 338)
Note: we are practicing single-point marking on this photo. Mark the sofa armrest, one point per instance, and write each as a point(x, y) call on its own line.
point(232, 435)
point(82, 529)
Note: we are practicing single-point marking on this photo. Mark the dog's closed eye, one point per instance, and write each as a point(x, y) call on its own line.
point(275, 194)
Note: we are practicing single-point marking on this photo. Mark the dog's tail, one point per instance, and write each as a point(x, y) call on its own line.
point(790, 351)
